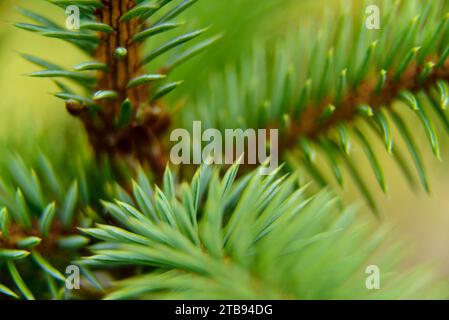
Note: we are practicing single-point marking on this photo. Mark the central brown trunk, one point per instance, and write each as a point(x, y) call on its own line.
point(138, 142)
point(124, 69)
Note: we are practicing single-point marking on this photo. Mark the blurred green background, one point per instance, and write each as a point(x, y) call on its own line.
point(27, 106)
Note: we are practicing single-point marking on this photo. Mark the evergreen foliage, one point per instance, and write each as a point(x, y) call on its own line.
point(344, 85)
point(139, 229)
point(121, 106)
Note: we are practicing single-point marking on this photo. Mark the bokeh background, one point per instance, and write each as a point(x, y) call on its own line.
point(26, 105)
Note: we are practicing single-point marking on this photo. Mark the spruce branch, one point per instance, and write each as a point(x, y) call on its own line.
point(321, 89)
point(123, 113)
point(371, 94)
point(221, 236)
point(249, 238)
point(40, 212)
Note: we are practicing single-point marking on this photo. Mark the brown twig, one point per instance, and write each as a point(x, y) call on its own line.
point(140, 141)
point(310, 126)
